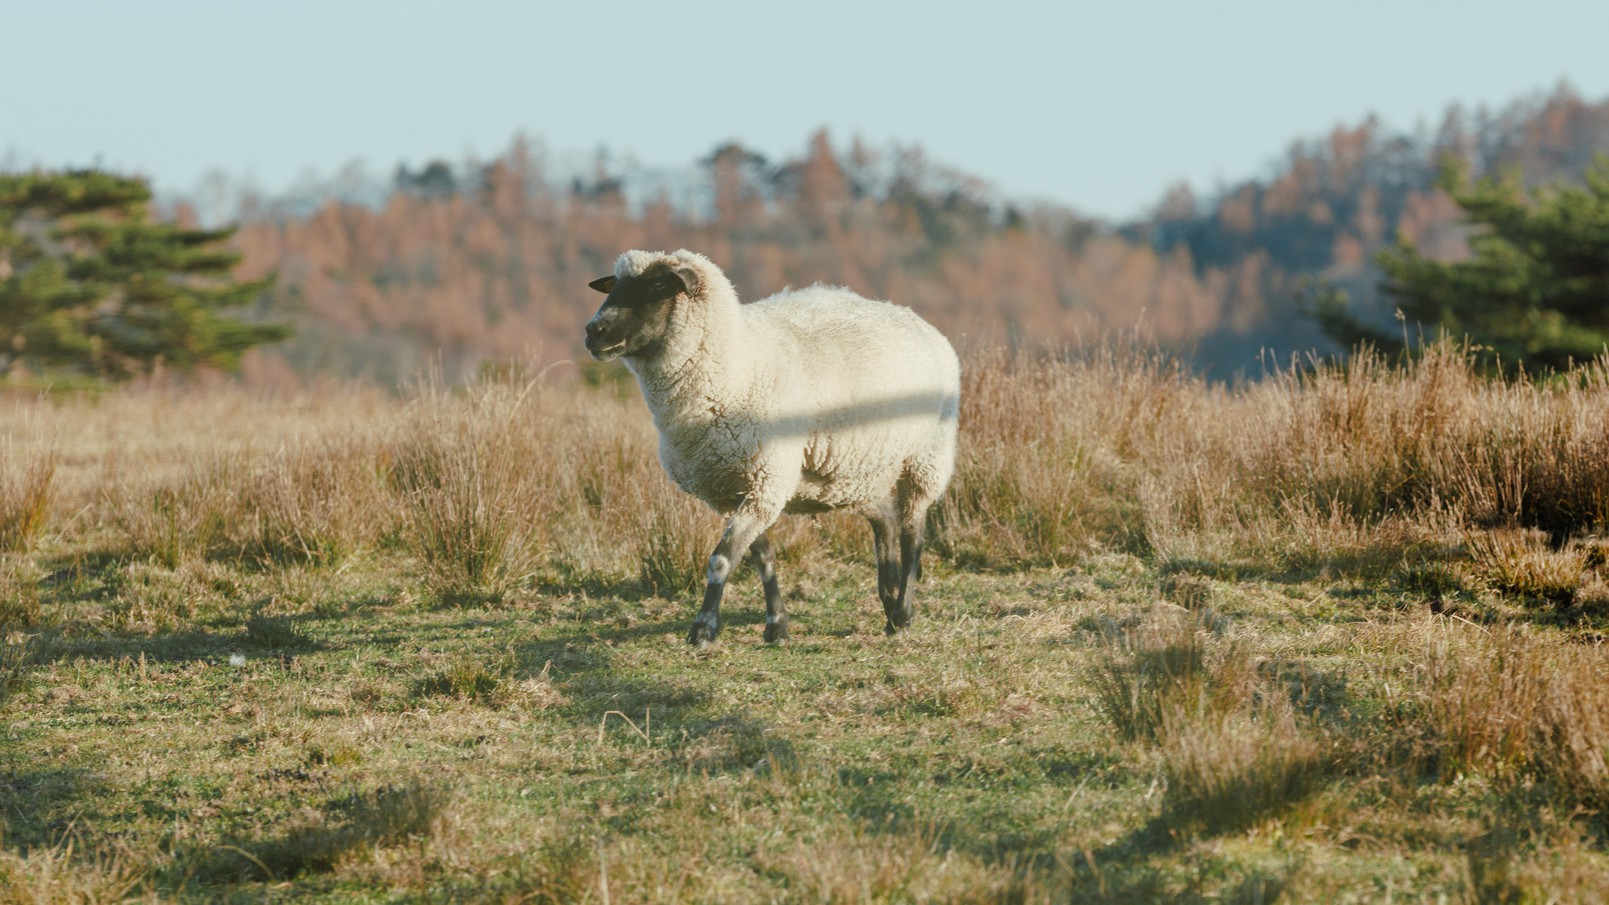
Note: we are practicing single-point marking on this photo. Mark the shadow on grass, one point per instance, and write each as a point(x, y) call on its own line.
point(262, 636)
point(678, 711)
point(320, 838)
point(1002, 829)
point(1142, 883)
point(1366, 563)
point(1134, 867)
point(627, 590)
point(89, 576)
point(38, 805)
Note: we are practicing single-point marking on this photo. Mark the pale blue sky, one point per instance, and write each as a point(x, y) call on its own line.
point(1097, 105)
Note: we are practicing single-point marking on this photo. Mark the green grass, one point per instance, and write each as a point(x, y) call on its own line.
point(358, 740)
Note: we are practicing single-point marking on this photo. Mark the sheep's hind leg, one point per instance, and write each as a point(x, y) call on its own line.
point(741, 530)
point(911, 538)
point(888, 572)
point(776, 612)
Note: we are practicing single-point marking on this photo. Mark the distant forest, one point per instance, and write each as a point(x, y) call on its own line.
point(484, 263)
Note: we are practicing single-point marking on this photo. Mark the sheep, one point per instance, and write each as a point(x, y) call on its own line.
point(807, 401)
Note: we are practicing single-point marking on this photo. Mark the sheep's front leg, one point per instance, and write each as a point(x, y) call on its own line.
point(776, 612)
point(741, 531)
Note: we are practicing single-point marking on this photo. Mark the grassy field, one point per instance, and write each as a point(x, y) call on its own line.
point(1335, 636)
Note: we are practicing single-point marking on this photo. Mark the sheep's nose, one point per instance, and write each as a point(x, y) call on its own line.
point(593, 327)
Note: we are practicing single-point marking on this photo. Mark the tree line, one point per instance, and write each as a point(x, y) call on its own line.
point(461, 266)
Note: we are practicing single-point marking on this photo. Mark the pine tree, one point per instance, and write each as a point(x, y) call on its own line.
point(1534, 291)
point(89, 284)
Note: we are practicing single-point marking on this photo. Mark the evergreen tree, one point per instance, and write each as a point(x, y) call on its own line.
point(89, 284)
point(1535, 288)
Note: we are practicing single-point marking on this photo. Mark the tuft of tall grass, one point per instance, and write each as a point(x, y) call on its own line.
point(186, 518)
point(68, 871)
point(17, 657)
point(25, 499)
point(467, 476)
point(673, 534)
point(275, 632)
point(1168, 667)
point(1046, 466)
point(1520, 562)
point(1228, 769)
point(470, 677)
point(315, 502)
point(1513, 704)
point(1233, 750)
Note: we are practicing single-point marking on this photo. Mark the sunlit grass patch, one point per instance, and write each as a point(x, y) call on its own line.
point(312, 502)
point(467, 481)
point(673, 535)
point(1522, 564)
point(482, 677)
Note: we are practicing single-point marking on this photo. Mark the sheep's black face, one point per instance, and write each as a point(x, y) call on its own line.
point(634, 319)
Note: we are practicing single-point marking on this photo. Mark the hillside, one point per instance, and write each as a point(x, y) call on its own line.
point(1332, 203)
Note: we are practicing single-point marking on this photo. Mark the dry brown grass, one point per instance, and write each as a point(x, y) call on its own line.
point(1229, 768)
point(1233, 748)
point(1521, 563)
point(1052, 454)
point(1512, 705)
point(1352, 467)
point(72, 873)
point(460, 475)
point(25, 497)
point(1167, 666)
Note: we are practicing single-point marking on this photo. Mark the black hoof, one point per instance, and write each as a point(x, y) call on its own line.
point(776, 633)
point(897, 622)
point(702, 634)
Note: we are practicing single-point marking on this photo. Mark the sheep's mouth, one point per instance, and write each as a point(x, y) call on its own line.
point(607, 352)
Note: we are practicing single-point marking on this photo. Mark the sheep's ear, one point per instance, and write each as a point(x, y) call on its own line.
point(692, 280)
point(603, 284)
